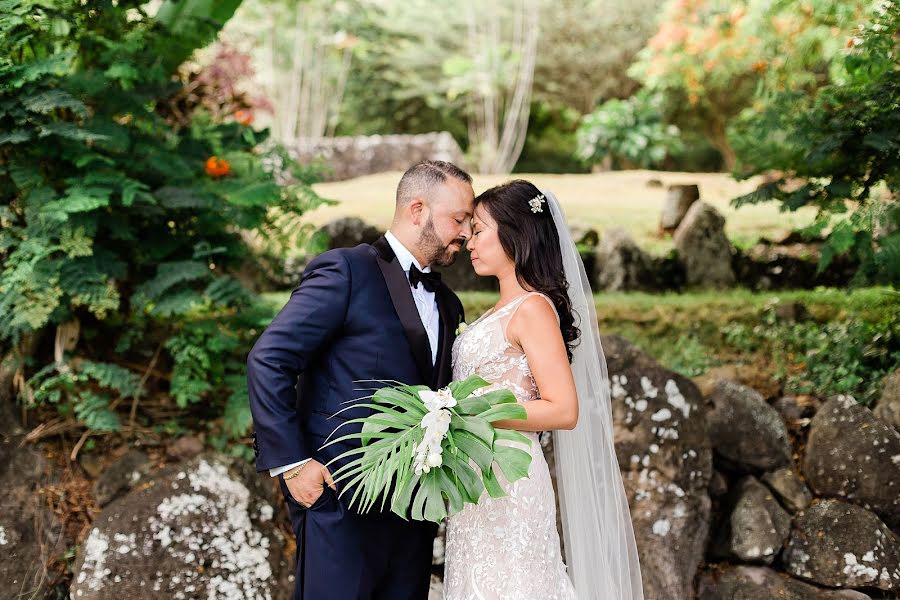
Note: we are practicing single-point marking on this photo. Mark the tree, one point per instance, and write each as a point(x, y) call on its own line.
point(125, 200)
point(839, 151)
point(711, 58)
point(495, 73)
point(303, 54)
point(586, 47)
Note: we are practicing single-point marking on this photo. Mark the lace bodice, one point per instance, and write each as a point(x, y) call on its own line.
point(484, 349)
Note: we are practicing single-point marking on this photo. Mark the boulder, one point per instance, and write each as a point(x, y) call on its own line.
point(789, 488)
point(663, 449)
point(888, 407)
point(838, 544)
point(745, 431)
point(797, 411)
point(349, 232)
point(621, 264)
point(461, 276)
point(184, 448)
point(203, 528)
point(704, 248)
point(751, 376)
point(679, 198)
point(120, 476)
point(758, 526)
point(854, 455)
point(791, 311)
point(718, 484)
point(30, 534)
point(584, 235)
point(760, 583)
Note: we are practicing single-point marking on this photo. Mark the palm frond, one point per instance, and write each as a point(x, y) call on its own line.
point(381, 471)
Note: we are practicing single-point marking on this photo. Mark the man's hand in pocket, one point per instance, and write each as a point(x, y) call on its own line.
point(310, 484)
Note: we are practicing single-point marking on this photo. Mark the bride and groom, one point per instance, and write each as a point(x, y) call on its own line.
point(378, 312)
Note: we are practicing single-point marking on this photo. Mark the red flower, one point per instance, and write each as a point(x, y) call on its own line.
point(244, 117)
point(217, 167)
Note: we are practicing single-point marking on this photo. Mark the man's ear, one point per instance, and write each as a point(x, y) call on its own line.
point(417, 211)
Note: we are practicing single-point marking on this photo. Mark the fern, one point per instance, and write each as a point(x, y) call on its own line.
point(93, 409)
point(51, 100)
point(171, 274)
point(124, 381)
point(180, 303)
point(237, 418)
point(226, 291)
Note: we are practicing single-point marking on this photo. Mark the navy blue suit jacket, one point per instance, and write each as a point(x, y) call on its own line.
point(352, 318)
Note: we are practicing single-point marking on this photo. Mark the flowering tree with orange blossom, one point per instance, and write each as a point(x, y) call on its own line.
point(714, 59)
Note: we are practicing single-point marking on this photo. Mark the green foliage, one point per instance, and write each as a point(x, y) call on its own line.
point(844, 145)
point(115, 218)
point(837, 357)
point(630, 132)
point(551, 143)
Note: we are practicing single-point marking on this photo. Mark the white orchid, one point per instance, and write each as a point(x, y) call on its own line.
point(442, 398)
point(435, 424)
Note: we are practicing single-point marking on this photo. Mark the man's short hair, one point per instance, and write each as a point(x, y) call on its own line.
point(419, 179)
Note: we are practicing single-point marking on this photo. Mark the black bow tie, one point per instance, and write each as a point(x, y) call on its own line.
point(429, 280)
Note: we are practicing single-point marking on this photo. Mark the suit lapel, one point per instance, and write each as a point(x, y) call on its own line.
point(449, 321)
point(402, 299)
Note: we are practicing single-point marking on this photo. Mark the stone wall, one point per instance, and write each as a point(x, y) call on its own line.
point(349, 157)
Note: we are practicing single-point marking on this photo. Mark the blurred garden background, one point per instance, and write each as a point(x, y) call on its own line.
point(730, 167)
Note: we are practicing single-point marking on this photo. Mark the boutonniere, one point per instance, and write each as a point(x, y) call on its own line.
point(461, 327)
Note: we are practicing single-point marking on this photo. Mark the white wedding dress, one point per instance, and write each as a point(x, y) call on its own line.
point(505, 548)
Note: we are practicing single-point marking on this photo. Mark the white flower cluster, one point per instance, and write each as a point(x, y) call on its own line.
point(435, 424)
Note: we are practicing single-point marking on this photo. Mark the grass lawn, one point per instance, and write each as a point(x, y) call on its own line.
point(600, 200)
point(847, 343)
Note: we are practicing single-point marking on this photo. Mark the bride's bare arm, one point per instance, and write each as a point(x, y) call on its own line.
point(535, 330)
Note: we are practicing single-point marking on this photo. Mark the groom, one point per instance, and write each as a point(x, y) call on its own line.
point(365, 313)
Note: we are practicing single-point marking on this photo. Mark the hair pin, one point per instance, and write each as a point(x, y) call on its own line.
point(536, 203)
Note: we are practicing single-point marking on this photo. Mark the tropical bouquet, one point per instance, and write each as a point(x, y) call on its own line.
point(424, 450)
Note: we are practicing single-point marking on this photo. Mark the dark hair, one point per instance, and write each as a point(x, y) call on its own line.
point(531, 241)
point(421, 177)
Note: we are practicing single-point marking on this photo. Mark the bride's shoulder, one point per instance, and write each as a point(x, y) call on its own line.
point(535, 314)
point(538, 305)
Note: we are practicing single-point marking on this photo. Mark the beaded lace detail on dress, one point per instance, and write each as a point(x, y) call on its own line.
point(505, 548)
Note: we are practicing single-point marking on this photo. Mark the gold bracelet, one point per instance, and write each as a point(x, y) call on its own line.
point(297, 472)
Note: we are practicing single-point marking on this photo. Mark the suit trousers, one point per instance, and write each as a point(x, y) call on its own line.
point(343, 555)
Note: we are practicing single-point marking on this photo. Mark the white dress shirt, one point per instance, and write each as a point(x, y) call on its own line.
point(426, 304)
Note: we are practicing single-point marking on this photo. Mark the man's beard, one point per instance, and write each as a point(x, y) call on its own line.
point(436, 253)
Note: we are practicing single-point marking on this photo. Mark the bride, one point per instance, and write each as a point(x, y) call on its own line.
point(541, 342)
